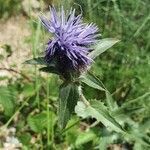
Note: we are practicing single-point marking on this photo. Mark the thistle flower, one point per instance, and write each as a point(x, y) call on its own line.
point(71, 39)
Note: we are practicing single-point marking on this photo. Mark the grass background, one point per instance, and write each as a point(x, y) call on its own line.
point(29, 100)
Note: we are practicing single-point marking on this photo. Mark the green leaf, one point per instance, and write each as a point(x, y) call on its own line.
point(106, 140)
point(95, 83)
point(92, 81)
point(110, 102)
point(145, 125)
point(50, 69)
point(7, 100)
point(71, 131)
point(99, 111)
point(36, 61)
point(29, 90)
point(138, 146)
point(68, 98)
point(134, 133)
point(84, 137)
point(25, 138)
point(39, 122)
point(102, 46)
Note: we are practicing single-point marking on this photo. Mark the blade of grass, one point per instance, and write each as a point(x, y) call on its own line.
point(48, 112)
point(15, 114)
point(141, 26)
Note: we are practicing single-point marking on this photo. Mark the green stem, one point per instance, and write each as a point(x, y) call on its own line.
point(51, 130)
point(14, 115)
point(89, 3)
point(82, 97)
point(48, 115)
point(37, 86)
point(63, 131)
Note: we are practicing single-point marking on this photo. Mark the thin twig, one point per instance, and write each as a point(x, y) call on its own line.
point(17, 72)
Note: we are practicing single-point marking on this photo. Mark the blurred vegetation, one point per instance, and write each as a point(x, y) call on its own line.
point(9, 8)
point(29, 103)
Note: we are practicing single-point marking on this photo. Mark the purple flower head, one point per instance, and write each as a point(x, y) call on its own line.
point(71, 40)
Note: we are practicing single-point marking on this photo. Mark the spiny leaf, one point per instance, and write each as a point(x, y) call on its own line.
point(95, 83)
point(102, 46)
point(99, 111)
point(110, 102)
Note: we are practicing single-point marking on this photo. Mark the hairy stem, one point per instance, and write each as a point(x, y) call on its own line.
point(82, 97)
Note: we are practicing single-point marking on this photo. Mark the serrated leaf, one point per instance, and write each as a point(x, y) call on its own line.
point(108, 120)
point(81, 110)
point(68, 97)
point(7, 100)
point(39, 122)
point(110, 102)
point(92, 81)
point(99, 111)
point(95, 83)
point(36, 61)
point(25, 138)
point(102, 46)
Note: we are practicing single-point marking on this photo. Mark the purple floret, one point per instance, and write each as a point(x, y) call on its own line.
point(71, 40)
